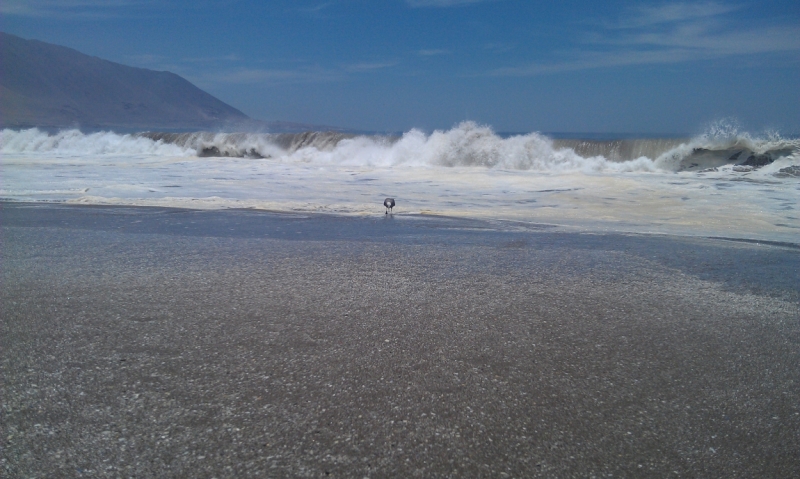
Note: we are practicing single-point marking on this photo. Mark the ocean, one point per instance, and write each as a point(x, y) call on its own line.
point(720, 183)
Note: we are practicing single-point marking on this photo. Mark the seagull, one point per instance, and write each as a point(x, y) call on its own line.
point(389, 204)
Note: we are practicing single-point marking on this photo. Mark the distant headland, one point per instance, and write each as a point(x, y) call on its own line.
point(52, 87)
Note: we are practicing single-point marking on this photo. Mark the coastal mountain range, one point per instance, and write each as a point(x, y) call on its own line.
point(50, 86)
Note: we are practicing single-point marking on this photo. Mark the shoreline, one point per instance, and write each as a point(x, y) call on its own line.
point(499, 224)
point(673, 251)
point(147, 342)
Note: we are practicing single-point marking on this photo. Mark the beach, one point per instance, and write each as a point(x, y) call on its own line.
point(166, 342)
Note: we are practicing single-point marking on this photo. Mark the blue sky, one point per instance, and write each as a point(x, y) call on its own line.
point(569, 66)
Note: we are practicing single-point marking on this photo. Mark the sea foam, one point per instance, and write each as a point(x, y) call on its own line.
point(720, 183)
point(467, 144)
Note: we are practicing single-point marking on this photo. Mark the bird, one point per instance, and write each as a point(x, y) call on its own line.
point(389, 204)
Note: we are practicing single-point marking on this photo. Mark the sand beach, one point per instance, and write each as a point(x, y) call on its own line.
point(157, 342)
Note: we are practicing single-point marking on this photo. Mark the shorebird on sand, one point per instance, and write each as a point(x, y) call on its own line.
point(389, 204)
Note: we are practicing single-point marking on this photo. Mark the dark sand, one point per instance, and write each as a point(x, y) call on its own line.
point(172, 343)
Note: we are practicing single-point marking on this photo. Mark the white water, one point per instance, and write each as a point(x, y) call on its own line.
point(467, 171)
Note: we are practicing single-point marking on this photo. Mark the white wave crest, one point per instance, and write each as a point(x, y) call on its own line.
point(466, 145)
point(723, 143)
point(76, 143)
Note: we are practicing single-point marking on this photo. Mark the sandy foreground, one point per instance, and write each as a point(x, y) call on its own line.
point(152, 342)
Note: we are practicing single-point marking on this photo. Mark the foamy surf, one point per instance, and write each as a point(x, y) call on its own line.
point(722, 183)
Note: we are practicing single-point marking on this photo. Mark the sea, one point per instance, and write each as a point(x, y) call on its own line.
point(721, 183)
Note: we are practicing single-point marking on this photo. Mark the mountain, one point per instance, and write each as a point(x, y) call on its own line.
point(51, 86)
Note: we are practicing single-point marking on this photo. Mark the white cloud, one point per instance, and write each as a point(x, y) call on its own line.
point(717, 44)
point(644, 16)
point(255, 75)
point(672, 33)
point(433, 52)
point(72, 8)
point(231, 69)
point(214, 59)
point(366, 67)
point(441, 3)
point(316, 10)
point(597, 60)
point(499, 47)
point(309, 74)
point(243, 76)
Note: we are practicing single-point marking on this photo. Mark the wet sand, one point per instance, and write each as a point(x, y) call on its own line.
point(142, 342)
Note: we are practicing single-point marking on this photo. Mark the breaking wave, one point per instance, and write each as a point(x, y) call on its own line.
point(76, 143)
point(466, 145)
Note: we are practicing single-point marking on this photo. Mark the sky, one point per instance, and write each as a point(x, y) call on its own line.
point(657, 68)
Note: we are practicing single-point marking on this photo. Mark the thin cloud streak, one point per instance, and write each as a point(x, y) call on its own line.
point(645, 16)
point(250, 76)
point(245, 76)
point(317, 11)
point(433, 52)
point(227, 72)
point(216, 59)
point(668, 34)
point(366, 67)
point(442, 3)
point(601, 60)
point(499, 47)
point(73, 8)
